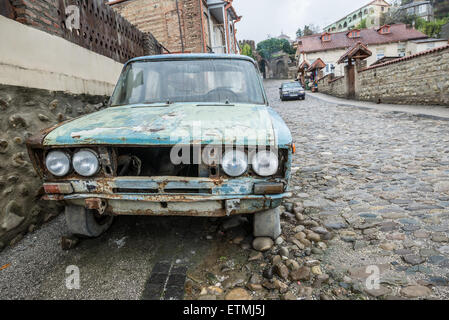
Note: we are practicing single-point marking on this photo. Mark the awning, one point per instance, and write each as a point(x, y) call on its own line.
point(358, 51)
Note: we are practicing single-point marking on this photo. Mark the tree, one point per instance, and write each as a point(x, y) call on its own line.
point(268, 47)
point(362, 24)
point(299, 33)
point(311, 29)
point(247, 51)
point(430, 28)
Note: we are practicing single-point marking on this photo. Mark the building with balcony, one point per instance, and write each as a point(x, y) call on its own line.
point(371, 13)
point(422, 9)
point(196, 26)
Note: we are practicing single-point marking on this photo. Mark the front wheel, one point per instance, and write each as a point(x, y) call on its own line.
point(85, 222)
point(267, 223)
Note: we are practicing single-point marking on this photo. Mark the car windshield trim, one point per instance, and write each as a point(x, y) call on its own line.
point(197, 81)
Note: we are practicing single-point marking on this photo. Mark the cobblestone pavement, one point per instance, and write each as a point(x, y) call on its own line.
point(370, 194)
point(379, 181)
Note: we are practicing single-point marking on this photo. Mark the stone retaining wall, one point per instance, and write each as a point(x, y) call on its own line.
point(419, 79)
point(423, 79)
point(332, 86)
point(25, 111)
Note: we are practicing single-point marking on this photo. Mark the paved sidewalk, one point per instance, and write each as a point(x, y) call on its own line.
point(433, 112)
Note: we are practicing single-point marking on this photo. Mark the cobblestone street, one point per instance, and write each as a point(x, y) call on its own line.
point(370, 188)
point(379, 182)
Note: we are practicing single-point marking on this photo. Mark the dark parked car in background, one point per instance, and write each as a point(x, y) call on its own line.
point(291, 90)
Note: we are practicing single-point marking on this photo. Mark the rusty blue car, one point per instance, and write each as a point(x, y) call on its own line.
point(182, 134)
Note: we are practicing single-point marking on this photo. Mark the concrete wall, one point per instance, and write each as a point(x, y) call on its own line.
point(37, 59)
point(100, 29)
point(44, 79)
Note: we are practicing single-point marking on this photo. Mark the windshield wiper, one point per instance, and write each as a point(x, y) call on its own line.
point(152, 104)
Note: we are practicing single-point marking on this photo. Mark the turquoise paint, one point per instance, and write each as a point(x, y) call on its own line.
point(179, 123)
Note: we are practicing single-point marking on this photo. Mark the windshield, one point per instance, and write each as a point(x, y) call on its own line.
point(292, 85)
point(201, 80)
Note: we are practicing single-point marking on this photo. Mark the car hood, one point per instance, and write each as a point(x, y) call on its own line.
point(180, 123)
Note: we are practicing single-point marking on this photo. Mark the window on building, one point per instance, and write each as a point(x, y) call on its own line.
point(354, 17)
point(350, 19)
point(383, 9)
point(354, 34)
point(385, 30)
point(326, 37)
point(340, 26)
point(345, 25)
point(371, 10)
point(401, 49)
point(423, 8)
point(365, 12)
point(372, 21)
point(380, 53)
point(329, 68)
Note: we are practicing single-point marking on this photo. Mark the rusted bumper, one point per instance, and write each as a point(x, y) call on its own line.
point(170, 195)
point(174, 205)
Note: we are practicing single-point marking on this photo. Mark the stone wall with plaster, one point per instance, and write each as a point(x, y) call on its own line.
point(44, 79)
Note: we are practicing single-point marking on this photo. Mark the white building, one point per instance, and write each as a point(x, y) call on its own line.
point(371, 13)
point(387, 41)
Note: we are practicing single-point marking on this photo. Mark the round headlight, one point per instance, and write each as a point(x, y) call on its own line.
point(234, 163)
point(58, 163)
point(85, 163)
point(265, 163)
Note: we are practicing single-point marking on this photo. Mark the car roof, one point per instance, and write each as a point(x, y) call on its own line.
point(192, 56)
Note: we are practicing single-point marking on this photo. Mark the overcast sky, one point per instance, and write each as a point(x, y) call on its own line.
point(263, 17)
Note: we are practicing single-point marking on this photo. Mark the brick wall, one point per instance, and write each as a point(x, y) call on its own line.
point(101, 30)
point(160, 17)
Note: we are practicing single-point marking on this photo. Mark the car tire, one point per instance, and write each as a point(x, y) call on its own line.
point(282, 99)
point(267, 223)
point(86, 223)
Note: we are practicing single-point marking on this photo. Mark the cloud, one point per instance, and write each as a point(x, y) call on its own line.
point(271, 17)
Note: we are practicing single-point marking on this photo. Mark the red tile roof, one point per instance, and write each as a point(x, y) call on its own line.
point(340, 40)
point(358, 48)
point(317, 64)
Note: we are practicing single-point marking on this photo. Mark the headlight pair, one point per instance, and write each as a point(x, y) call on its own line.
point(85, 162)
point(235, 163)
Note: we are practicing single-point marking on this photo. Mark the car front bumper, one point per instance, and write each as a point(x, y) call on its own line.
point(208, 197)
point(294, 95)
